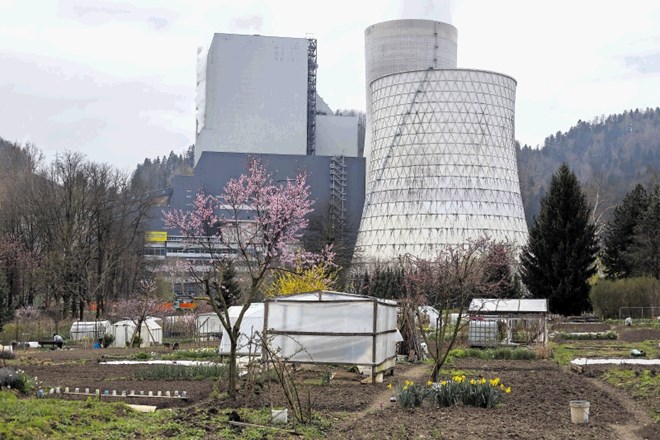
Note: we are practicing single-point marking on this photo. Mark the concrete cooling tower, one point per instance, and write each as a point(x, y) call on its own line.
point(441, 157)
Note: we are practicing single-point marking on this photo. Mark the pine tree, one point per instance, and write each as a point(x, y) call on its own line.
point(230, 288)
point(619, 234)
point(559, 257)
point(645, 254)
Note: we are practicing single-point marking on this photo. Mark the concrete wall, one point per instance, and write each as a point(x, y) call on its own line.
point(336, 135)
point(255, 95)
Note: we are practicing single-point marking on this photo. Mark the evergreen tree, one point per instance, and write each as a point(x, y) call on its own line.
point(559, 258)
point(645, 254)
point(230, 288)
point(620, 231)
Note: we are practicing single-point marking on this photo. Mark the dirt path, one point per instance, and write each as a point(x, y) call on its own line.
point(382, 401)
point(640, 417)
point(416, 373)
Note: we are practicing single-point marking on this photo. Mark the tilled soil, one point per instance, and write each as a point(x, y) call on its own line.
point(537, 407)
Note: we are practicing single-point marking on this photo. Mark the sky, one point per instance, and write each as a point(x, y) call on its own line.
point(115, 80)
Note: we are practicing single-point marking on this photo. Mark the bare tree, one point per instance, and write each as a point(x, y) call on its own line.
point(448, 283)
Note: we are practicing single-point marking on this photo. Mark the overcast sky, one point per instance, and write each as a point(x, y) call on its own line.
point(116, 80)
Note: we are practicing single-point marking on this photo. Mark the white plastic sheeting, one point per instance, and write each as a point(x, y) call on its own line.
point(208, 325)
point(151, 332)
point(614, 361)
point(253, 322)
point(332, 327)
point(89, 329)
point(494, 305)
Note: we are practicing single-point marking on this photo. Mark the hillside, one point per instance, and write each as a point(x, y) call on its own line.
point(609, 156)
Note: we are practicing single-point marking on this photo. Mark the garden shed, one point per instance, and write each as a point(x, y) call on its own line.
point(92, 330)
point(326, 327)
point(151, 332)
point(507, 322)
point(253, 321)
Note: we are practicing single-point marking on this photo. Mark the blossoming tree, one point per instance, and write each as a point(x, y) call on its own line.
point(449, 282)
point(256, 223)
point(138, 308)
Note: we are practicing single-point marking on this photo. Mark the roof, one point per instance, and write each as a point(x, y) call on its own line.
point(149, 322)
point(493, 305)
point(329, 296)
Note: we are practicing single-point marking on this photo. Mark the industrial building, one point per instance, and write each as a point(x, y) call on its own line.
point(256, 96)
point(441, 160)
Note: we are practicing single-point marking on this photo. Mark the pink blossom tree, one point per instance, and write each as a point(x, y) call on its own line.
point(449, 282)
point(137, 308)
point(256, 224)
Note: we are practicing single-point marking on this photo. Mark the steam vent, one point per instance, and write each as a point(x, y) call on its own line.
point(440, 146)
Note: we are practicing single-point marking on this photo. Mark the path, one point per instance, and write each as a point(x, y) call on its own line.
point(640, 417)
point(419, 372)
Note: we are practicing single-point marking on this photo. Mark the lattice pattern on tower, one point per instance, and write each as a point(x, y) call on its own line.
point(442, 166)
point(337, 212)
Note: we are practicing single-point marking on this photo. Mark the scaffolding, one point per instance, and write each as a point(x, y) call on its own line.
point(337, 214)
point(311, 96)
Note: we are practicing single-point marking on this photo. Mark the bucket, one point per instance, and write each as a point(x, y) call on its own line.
point(579, 411)
point(279, 415)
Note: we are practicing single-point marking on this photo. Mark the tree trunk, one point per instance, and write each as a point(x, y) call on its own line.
point(233, 367)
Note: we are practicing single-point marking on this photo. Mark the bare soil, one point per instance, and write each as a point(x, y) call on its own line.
point(537, 407)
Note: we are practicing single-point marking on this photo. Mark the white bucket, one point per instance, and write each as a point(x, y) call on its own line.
point(279, 415)
point(579, 411)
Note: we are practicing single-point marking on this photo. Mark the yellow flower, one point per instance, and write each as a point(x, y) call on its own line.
point(473, 382)
point(482, 381)
point(508, 390)
point(405, 387)
point(444, 382)
point(495, 382)
point(429, 383)
point(389, 386)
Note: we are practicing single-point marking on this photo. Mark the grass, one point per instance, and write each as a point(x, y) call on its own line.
point(60, 419)
point(181, 372)
point(643, 385)
point(564, 353)
point(30, 418)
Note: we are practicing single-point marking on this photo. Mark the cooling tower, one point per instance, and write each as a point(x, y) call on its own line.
point(442, 161)
point(403, 45)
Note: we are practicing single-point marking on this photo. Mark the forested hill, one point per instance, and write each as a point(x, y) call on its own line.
point(609, 156)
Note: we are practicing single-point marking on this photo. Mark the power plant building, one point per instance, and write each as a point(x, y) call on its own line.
point(440, 146)
point(257, 94)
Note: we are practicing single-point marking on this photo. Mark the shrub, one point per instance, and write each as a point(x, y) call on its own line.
point(108, 339)
point(607, 297)
point(17, 379)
